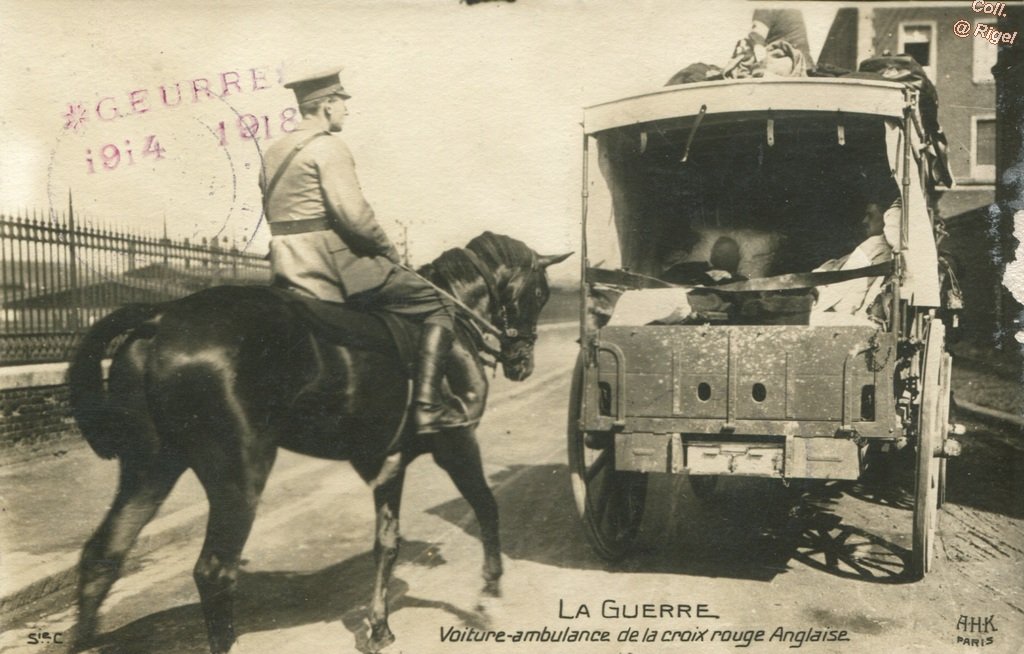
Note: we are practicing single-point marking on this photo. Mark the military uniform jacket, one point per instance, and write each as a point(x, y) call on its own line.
point(355, 256)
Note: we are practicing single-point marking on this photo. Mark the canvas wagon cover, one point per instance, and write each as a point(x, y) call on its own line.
point(731, 101)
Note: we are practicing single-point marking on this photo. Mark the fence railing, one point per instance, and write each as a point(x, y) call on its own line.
point(58, 277)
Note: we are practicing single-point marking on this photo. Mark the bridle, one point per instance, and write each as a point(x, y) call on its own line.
point(507, 334)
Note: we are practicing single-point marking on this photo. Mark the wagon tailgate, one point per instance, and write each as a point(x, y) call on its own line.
point(755, 380)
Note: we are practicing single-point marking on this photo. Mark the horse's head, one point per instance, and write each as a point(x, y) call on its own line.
point(520, 290)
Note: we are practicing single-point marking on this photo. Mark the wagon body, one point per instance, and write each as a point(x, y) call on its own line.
point(779, 401)
point(746, 378)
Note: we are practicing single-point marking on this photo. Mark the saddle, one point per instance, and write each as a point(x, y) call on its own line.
point(359, 327)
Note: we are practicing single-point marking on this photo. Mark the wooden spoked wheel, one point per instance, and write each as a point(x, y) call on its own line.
point(942, 482)
point(932, 420)
point(610, 502)
point(944, 411)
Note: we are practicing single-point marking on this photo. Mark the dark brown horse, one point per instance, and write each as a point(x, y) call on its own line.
point(217, 381)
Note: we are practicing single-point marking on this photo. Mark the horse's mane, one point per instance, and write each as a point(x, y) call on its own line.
point(453, 267)
point(501, 249)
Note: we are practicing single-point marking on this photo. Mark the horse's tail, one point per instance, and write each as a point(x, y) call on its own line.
point(97, 417)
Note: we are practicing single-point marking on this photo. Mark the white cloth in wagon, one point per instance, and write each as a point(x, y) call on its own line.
point(856, 282)
point(838, 292)
point(846, 303)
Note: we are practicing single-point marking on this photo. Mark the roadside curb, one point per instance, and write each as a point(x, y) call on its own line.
point(186, 523)
point(62, 582)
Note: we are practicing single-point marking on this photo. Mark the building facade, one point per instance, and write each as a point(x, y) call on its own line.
point(960, 68)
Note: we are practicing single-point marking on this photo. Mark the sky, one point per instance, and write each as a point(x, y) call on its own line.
point(462, 118)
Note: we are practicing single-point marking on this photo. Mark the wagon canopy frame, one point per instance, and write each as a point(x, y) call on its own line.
point(752, 98)
point(698, 108)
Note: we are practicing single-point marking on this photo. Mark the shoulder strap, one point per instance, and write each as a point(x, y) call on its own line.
point(280, 171)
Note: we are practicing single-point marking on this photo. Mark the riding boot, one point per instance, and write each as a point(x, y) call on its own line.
point(430, 411)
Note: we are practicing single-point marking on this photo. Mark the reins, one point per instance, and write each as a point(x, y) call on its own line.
point(497, 325)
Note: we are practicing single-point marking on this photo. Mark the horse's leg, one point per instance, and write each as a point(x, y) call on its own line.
point(233, 485)
point(387, 497)
point(458, 453)
point(142, 489)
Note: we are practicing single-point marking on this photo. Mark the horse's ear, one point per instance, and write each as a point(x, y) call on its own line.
point(545, 260)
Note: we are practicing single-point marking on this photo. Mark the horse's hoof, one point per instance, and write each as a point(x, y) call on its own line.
point(240, 646)
point(485, 606)
point(492, 588)
point(488, 601)
point(380, 638)
point(81, 638)
point(221, 645)
point(377, 644)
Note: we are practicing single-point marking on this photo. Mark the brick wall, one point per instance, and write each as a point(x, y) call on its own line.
point(960, 96)
point(35, 420)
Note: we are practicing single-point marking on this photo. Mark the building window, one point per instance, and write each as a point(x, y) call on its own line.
point(918, 41)
point(985, 55)
point(983, 148)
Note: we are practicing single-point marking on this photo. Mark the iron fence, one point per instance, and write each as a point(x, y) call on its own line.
point(58, 277)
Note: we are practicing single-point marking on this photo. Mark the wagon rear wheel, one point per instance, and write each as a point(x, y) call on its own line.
point(944, 411)
point(610, 502)
point(942, 482)
point(933, 418)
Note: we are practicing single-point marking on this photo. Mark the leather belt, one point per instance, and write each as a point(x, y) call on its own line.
point(289, 227)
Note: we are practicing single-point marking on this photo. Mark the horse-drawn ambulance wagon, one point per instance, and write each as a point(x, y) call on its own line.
point(762, 295)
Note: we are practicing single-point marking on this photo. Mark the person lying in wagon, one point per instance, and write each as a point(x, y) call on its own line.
point(839, 302)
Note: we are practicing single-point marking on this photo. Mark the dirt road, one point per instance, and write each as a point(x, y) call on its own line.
point(756, 567)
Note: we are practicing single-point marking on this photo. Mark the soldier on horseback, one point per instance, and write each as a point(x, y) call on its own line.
point(326, 242)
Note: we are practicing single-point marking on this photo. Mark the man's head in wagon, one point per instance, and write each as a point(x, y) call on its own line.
point(321, 96)
point(874, 219)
